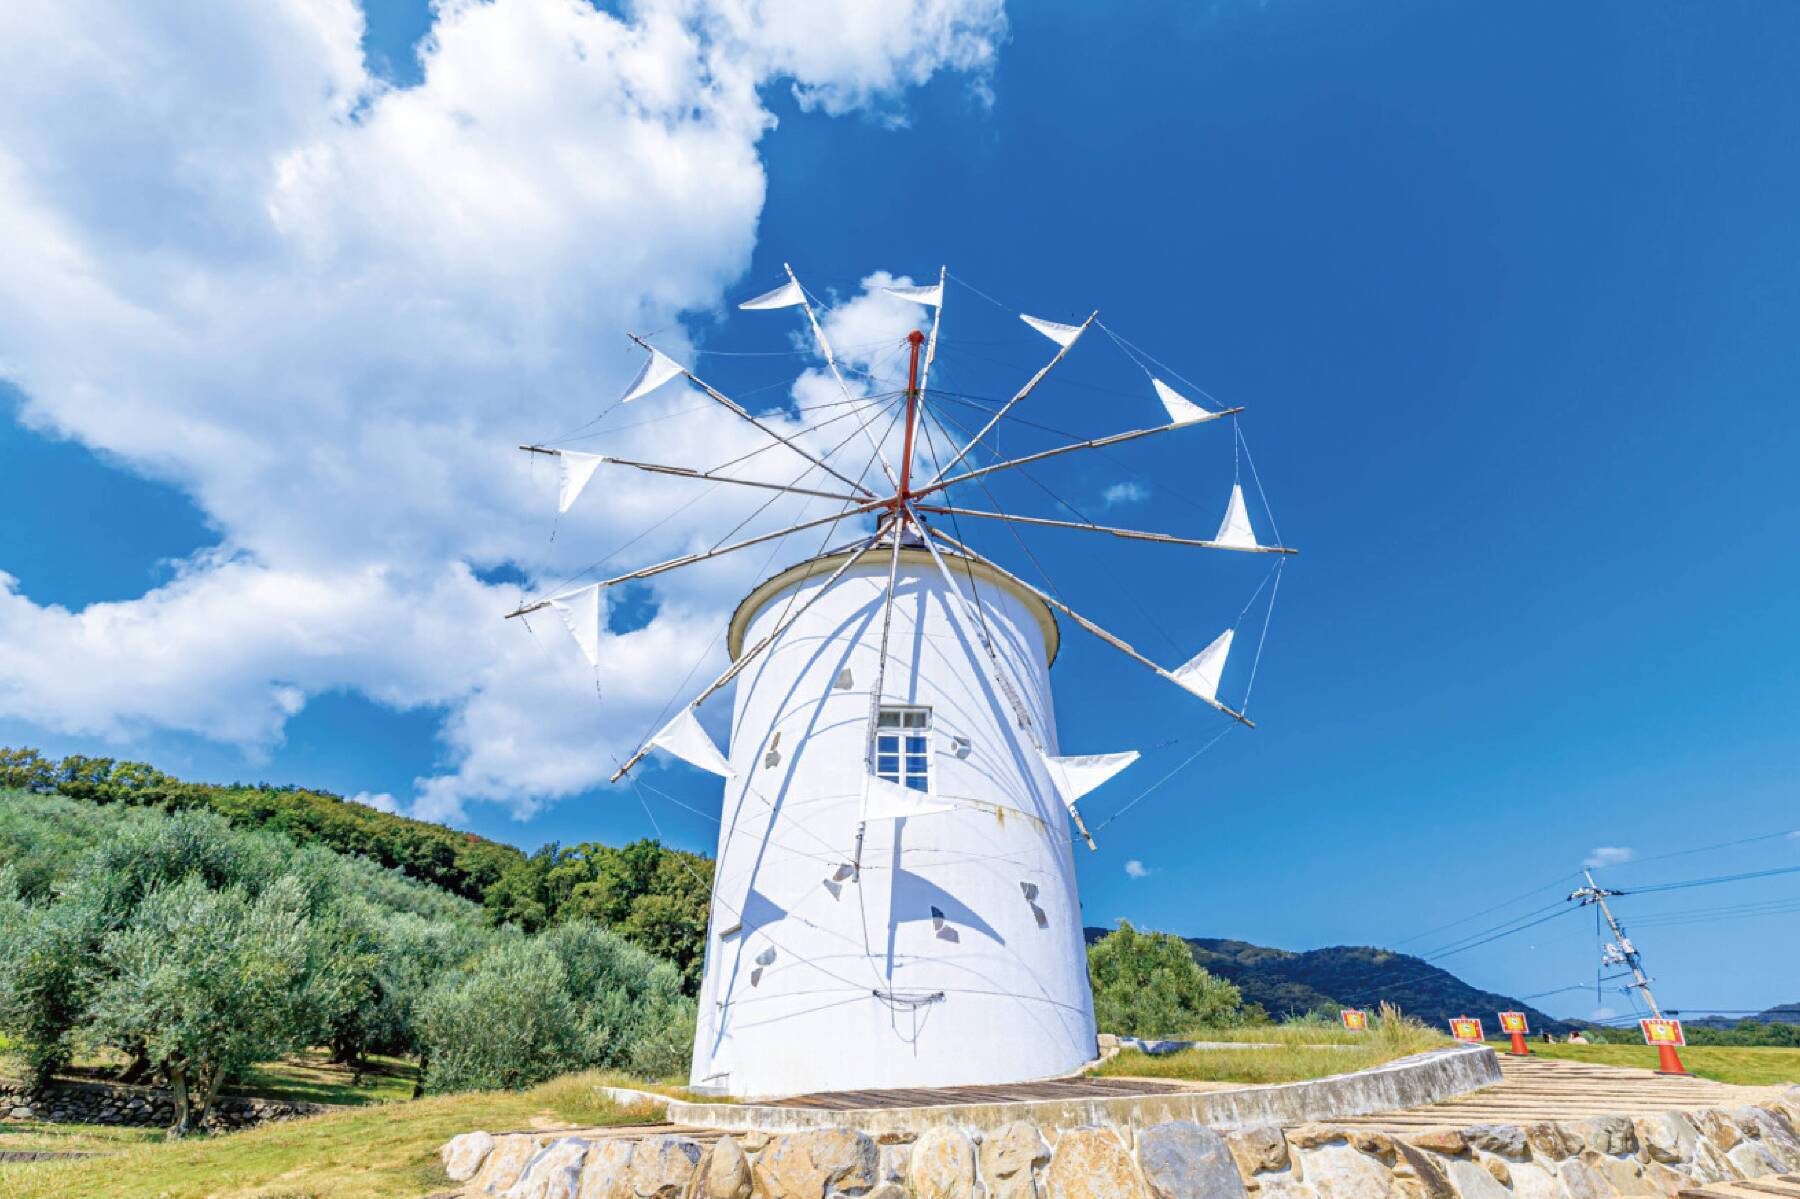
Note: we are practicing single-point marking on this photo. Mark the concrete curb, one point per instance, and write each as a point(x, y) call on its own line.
point(1405, 1082)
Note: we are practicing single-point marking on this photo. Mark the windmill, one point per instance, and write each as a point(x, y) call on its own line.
point(894, 900)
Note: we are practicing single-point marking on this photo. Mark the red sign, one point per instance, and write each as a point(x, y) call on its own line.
point(1662, 1032)
point(1511, 1022)
point(1466, 1028)
point(1355, 1020)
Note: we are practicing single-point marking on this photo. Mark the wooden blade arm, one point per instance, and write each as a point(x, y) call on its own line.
point(831, 361)
point(1130, 534)
point(685, 472)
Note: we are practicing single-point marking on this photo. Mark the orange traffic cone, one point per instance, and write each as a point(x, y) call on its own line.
point(1669, 1062)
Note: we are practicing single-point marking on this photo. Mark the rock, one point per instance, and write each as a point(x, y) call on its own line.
point(887, 1190)
point(1716, 1128)
point(1091, 1163)
point(1624, 1174)
point(1311, 1136)
point(1667, 1137)
point(1472, 1181)
point(463, 1155)
point(504, 1163)
point(607, 1174)
point(816, 1164)
point(1380, 1144)
point(1665, 1180)
point(1284, 1184)
point(724, 1173)
point(1551, 1141)
point(662, 1167)
point(1010, 1156)
point(1419, 1175)
point(1532, 1181)
point(1440, 1140)
point(1753, 1159)
point(1258, 1149)
point(1611, 1135)
point(1180, 1160)
point(1338, 1171)
point(547, 1167)
point(1710, 1163)
point(942, 1166)
point(1498, 1169)
point(1508, 1140)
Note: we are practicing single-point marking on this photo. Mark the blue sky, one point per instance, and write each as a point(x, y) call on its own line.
point(1508, 295)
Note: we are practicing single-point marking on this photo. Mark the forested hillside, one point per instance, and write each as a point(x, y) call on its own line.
point(185, 950)
point(653, 896)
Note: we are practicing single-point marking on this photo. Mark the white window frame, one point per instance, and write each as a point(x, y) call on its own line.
point(895, 761)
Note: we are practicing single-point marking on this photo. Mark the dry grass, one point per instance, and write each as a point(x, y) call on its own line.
point(385, 1151)
point(1303, 1049)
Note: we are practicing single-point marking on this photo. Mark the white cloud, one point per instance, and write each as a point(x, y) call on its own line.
point(327, 309)
point(1602, 1013)
point(1136, 869)
point(1609, 855)
point(381, 801)
point(1124, 493)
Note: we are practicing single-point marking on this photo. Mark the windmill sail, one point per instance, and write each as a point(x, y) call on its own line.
point(580, 612)
point(785, 296)
point(684, 738)
point(1235, 530)
point(1200, 674)
point(659, 370)
point(577, 468)
point(1182, 411)
point(1062, 335)
point(1074, 777)
point(931, 297)
point(885, 800)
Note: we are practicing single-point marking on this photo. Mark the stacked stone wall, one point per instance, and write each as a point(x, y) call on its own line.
point(1603, 1157)
point(148, 1107)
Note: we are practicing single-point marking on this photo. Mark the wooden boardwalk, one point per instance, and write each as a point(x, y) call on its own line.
point(1538, 1088)
point(1783, 1186)
point(1024, 1092)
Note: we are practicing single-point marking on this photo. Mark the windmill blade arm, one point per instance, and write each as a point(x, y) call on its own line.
point(887, 621)
point(1022, 393)
point(686, 472)
point(742, 412)
point(831, 361)
point(1118, 643)
point(749, 655)
point(1130, 534)
point(716, 551)
point(940, 483)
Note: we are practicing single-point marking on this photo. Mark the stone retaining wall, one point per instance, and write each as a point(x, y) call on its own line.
point(1405, 1082)
point(1599, 1158)
point(114, 1103)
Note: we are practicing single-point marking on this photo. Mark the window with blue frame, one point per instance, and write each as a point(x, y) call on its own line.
point(902, 746)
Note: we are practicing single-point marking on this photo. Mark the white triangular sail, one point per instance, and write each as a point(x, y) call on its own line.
point(1074, 777)
point(659, 370)
point(577, 469)
point(1062, 335)
point(1182, 411)
point(1235, 530)
point(885, 800)
point(684, 738)
point(932, 296)
point(1200, 674)
point(580, 612)
point(785, 296)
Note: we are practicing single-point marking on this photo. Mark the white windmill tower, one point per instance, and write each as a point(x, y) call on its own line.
point(894, 899)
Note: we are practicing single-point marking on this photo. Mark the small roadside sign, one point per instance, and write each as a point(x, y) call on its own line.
point(1355, 1019)
point(1663, 1032)
point(1466, 1028)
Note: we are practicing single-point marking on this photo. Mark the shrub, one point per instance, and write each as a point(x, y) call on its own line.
point(1148, 984)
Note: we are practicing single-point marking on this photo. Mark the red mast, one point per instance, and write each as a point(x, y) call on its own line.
point(912, 410)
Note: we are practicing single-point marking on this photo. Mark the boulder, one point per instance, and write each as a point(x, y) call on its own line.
point(1472, 1181)
point(607, 1174)
point(504, 1163)
point(1611, 1135)
point(1311, 1136)
point(1420, 1175)
point(554, 1171)
point(1010, 1157)
point(663, 1167)
point(1508, 1140)
point(1713, 1125)
point(1180, 1160)
point(1753, 1159)
point(1551, 1141)
point(1379, 1144)
point(1448, 1141)
point(1582, 1181)
point(815, 1165)
point(1668, 1137)
point(462, 1155)
point(1258, 1149)
point(942, 1166)
point(1092, 1163)
point(724, 1172)
point(1532, 1181)
point(1340, 1172)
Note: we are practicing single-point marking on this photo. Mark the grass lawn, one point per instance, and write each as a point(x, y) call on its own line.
point(1747, 1066)
point(1304, 1051)
point(312, 1078)
point(385, 1151)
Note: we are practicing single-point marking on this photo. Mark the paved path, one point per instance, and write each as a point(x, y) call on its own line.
point(1785, 1186)
point(1537, 1088)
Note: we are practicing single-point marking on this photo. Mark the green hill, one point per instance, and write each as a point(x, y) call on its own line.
point(1286, 983)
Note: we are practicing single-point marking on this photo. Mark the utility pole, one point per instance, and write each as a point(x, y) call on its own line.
point(1620, 951)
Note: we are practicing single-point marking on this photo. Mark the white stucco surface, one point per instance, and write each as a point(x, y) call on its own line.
point(815, 985)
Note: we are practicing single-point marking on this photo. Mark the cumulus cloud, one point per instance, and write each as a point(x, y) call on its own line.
point(1609, 855)
point(1136, 869)
point(381, 801)
point(327, 308)
point(1124, 493)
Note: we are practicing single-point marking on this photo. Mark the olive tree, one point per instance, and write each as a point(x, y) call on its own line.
point(1148, 984)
